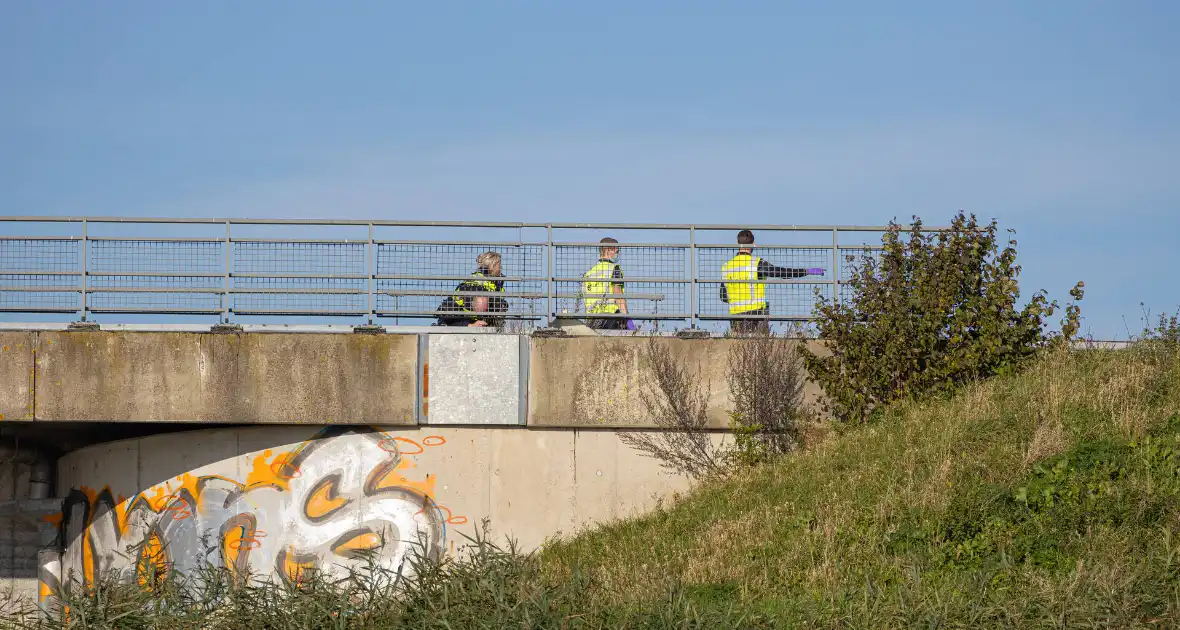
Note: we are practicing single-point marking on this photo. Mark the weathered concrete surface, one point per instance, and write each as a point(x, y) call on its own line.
point(247, 378)
point(17, 351)
point(596, 381)
point(474, 379)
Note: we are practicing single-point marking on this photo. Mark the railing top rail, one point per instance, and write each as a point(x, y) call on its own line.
point(475, 224)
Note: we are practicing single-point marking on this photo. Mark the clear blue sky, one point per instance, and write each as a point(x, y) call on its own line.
point(1059, 118)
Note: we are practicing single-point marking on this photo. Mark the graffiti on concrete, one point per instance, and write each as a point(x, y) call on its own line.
point(339, 499)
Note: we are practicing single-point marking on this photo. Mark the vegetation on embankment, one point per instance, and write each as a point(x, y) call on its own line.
point(1045, 498)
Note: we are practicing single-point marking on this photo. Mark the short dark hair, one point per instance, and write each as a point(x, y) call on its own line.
point(745, 237)
point(608, 240)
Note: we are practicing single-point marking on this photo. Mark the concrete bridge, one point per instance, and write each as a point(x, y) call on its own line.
point(294, 447)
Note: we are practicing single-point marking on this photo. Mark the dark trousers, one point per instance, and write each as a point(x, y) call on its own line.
point(752, 326)
point(607, 323)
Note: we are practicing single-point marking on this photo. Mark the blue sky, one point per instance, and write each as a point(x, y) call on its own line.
point(1060, 119)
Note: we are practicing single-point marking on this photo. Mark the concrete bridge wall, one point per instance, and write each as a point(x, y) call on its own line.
point(388, 379)
point(357, 437)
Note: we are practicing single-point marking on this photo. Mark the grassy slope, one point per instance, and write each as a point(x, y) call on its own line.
point(913, 519)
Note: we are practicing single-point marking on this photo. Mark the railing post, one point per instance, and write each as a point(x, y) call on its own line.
point(692, 275)
point(550, 307)
point(85, 267)
point(225, 294)
point(835, 266)
point(370, 266)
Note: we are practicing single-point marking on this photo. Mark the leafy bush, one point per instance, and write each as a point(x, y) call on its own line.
point(935, 311)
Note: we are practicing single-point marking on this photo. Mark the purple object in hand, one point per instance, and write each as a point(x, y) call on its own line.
point(815, 271)
point(630, 324)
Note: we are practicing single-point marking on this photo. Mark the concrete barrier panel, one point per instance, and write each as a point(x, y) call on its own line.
point(597, 381)
point(17, 351)
point(474, 379)
point(247, 378)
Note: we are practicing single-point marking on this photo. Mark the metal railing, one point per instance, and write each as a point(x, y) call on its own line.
point(241, 268)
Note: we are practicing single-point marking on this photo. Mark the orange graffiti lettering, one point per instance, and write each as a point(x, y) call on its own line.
point(390, 444)
point(451, 520)
point(323, 501)
point(283, 468)
point(363, 541)
point(434, 440)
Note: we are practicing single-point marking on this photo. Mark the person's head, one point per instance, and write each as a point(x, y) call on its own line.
point(489, 261)
point(608, 248)
point(745, 241)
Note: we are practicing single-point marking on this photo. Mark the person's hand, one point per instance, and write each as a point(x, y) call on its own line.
point(478, 324)
point(816, 271)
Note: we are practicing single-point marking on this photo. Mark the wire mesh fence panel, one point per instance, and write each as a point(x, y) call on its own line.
point(44, 255)
point(783, 280)
point(153, 302)
point(655, 279)
point(278, 258)
point(414, 279)
point(155, 275)
point(794, 301)
point(852, 261)
point(40, 275)
point(299, 302)
point(299, 277)
point(38, 293)
point(155, 256)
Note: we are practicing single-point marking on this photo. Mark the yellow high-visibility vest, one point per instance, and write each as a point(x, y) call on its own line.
point(742, 288)
point(596, 287)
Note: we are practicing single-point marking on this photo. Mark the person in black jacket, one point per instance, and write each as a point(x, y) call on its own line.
point(467, 310)
point(743, 291)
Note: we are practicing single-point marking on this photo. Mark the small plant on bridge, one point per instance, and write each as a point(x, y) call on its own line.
point(766, 389)
point(935, 311)
point(765, 379)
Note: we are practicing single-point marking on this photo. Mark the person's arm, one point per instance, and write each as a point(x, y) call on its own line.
point(724, 295)
point(767, 270)
point(617, 289)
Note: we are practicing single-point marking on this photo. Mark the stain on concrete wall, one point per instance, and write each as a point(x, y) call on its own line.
point(17, 354)
point(339, 495)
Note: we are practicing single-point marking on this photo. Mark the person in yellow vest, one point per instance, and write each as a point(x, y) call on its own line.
point(600, 295)
point(743, 292)
point(467, 310)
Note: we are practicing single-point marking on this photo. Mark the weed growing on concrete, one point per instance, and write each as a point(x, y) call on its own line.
point(766, 390)
point(765, 382)
point(677, 400)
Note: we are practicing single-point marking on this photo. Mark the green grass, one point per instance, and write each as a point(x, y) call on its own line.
point(1047, 498)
